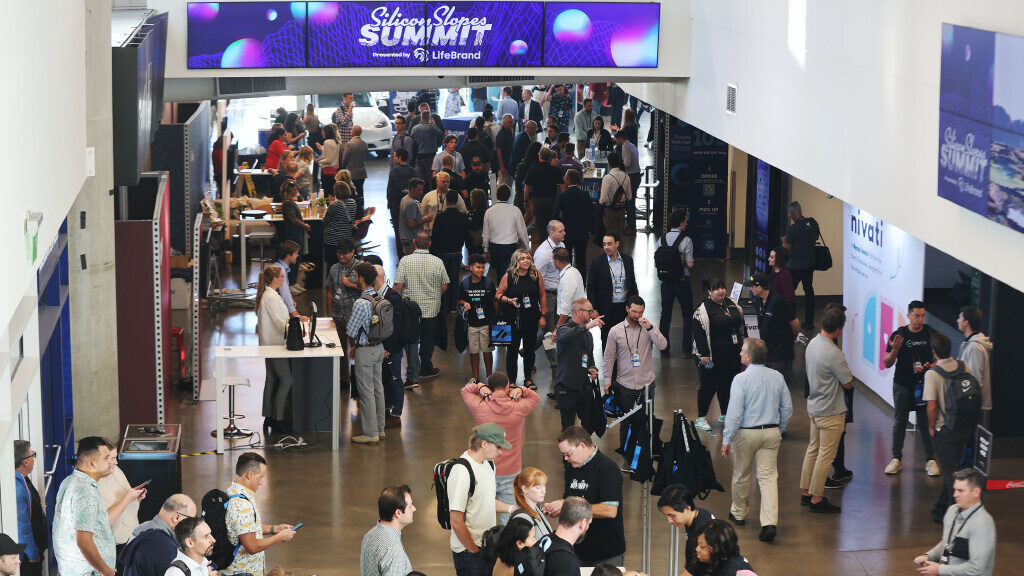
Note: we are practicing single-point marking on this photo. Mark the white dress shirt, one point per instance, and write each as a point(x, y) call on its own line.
point(273, 317)
point(545, 263)
point(570, 287)
point(504, 224)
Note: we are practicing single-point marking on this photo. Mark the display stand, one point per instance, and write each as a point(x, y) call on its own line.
point(197, 371)
point(645, 498)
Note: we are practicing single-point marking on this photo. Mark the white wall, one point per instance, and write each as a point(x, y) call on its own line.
point(673, 61)
point(45, 162)
point(844, 96)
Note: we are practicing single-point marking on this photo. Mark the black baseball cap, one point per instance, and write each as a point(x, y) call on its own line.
point(476, 160)
point(9, 546)
point(760, 280)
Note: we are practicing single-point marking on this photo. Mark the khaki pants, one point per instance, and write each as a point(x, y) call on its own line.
point(761, 449)
point(614, 220)
point(825, 434)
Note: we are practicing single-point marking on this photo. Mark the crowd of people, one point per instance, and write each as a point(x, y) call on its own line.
point(509, 202)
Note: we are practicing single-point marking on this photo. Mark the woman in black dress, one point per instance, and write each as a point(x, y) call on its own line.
point(521, 293)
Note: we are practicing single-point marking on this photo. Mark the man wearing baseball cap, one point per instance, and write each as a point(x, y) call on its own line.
point(776, 323)
point(10, 555)
point(472, 515)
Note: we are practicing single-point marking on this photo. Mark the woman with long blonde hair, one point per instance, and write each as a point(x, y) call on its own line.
point(305, 179)
point(530, 487)
point(272, 318)
point(521, 292)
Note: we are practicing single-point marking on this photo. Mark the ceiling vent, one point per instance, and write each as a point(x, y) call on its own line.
point(236, 86)
point(499, 79)
point(730, 99)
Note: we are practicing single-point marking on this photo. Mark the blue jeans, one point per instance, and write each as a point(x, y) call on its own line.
point(683, 292)
point(505, 493)
point(394, 388)
point(469, 564)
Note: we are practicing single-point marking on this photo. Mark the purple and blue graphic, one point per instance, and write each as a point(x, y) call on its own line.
point(762, 201)
point(506, 34)
point(367, 34)
point(607, 34)
point(246, 35)
point(981, 123)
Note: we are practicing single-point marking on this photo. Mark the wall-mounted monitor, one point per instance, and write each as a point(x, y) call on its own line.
point(601, 34)
point(505, 34)
point(366, 34)
point(385, 34)
point(246, 35)
point(981, 123)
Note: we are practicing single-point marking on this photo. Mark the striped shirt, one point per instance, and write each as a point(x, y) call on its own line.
point(382, 553)
point(422, 275)
point(339, 221)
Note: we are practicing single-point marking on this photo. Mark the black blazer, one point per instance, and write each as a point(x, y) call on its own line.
point(534, 113)
point(599, 281)
point(573, 208)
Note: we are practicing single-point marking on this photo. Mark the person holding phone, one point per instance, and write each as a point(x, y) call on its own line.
point(968, 544)
point(121, 500)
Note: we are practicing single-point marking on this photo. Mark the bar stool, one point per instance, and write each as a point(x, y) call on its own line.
point(232, 432)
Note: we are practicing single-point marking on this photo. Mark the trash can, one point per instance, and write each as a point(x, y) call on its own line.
point(152, 452)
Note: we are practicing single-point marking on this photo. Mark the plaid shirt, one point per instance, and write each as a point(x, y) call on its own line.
point(421, 275)
point(359, 322)
point(343, 120)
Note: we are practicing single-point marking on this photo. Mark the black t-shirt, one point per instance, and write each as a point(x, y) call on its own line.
point(801, 235)
point(544, 180)
point(480, 296)
point(692, 564)
point(455, 181)
point(559, 557)
point(598, 481)
point(722, 324)
point(522, 288)
point(474, 148)
point(916, 348)
point(481, 180)
point(773, 320)
point(504, 142)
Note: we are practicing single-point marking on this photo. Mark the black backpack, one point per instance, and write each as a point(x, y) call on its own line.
point(489, 541)
point(409, 329)
point(619, 200)
point(962, 398)
point(667, 261)
point(442, 471)
point(215, 505)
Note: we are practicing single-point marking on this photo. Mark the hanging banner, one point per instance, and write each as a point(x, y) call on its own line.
point(698, 180)
point(883, 270)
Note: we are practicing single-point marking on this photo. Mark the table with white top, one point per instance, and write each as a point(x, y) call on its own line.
point(327, 333)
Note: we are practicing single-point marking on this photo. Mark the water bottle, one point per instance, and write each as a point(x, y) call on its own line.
point(593, 150)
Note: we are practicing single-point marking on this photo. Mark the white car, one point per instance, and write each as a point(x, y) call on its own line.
point(377, 127)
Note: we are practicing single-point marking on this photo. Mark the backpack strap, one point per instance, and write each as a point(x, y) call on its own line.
point(472, 477)
point(947, 374)
point(180, 565)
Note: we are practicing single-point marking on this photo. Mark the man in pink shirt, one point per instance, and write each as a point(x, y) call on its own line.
point(630, 349)
point(507, 406)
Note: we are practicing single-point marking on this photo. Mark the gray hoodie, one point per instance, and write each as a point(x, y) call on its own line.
point(976, 353)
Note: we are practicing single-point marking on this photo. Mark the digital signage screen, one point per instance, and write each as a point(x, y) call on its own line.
point(246, 35)
point(605, 34)
point(506, 34)
point(366, 34)
point(981, 123)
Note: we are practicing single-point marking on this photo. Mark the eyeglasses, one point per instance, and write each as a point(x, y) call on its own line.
point(568, 454)
point(32, 455)
point(587, 310)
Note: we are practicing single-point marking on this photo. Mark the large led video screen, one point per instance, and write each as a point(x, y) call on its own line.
point(606, 34)
point(504, 34)
point(981, 123)
point(366, 34)
point(246, 35)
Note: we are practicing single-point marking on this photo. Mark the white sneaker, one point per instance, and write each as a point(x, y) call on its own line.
point(932, 468)
point(702, 423)
point(894, 466)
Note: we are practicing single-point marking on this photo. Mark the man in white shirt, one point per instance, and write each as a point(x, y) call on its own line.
point(506, 105)
point(503, 232)
point(471, 516)
point(570, 284)
point(195, 543)
point(431, 203)
point(678, 288)
point(545, 263)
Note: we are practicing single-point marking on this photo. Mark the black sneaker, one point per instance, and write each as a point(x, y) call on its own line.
point(735, 520)
point(767, 534)
point(430, 374)
point(825, 507)
point(843, 475)
point(805, 499)
point(830, 483)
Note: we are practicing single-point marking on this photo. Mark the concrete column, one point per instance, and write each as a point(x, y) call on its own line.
point(92, 301)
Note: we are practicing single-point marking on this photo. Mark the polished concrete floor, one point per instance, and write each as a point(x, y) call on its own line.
point(884, 523)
